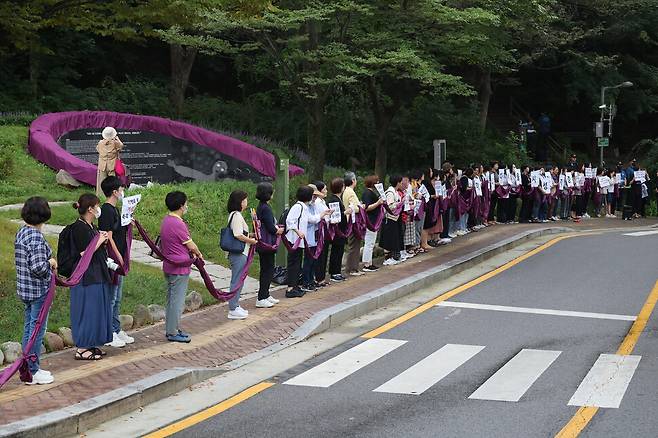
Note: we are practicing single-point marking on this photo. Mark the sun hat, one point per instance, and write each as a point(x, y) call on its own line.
point(109, 133)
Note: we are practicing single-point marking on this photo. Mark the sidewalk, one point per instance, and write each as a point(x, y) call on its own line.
point(217, 341)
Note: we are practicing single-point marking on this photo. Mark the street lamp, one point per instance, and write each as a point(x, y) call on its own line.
point(603, 107)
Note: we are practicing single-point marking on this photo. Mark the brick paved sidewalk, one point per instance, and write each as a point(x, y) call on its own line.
point(216, 340)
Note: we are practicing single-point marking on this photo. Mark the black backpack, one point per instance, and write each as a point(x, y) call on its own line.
point(67, 257)
point(284, 217)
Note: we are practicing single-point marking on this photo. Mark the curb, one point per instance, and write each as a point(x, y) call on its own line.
point(76, 419)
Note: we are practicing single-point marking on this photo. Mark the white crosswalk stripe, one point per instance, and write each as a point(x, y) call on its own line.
point(604, 386)
point(346, 363)
point(426, 373)
point(606, 382)
point(517, 376)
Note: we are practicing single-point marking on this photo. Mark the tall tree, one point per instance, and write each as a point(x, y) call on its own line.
point(306, 45)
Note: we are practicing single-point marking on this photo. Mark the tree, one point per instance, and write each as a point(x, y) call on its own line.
point(305, 44)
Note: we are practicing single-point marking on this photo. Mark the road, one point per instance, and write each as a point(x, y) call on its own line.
point(516, 354)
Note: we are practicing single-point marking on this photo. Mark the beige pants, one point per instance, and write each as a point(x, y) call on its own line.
point(100, 176)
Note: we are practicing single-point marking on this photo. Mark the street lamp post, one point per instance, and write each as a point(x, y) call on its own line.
point(604, 107)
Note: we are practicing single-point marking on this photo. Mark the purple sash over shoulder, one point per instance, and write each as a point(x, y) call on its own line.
point(21, 364)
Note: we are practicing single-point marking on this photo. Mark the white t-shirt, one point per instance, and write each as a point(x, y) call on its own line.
point(239, 227)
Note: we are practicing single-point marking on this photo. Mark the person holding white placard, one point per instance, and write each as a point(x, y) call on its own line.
point(317, 212)
point(110, 221)
point(350, 200)
point(391, 232)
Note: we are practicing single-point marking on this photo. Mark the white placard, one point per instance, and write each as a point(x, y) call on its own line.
point(580, 179)
point(546, 183)
point(618, 179)
point(422, 190)
point(335, 212)
point(470, 183)
point(380, 190)
point(459, 173)
point(417, 203)
point(492, 181)
point(534, 178)
point(569, 178)
point(478, 186)
point(128, 206)
point(604, 182)
point(354, 208)
point(594, 172)
point(588, 172)
point(438, 188)
point(639, 176)
point(517, 175)
point(563, 182)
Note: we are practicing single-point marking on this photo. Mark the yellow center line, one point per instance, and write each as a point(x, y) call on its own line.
point(584, 415)
point(210, 412)
point(417, 311)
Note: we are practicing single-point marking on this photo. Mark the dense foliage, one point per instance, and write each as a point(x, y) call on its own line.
point(353, 83)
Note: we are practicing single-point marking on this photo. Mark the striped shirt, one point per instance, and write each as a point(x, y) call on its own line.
point(33, 271)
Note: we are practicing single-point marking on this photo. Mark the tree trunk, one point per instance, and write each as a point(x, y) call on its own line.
point(381, 153)
point(315, 122)
point(35, 68)
point(382, 116)
point(484, 96)
point(182, 60)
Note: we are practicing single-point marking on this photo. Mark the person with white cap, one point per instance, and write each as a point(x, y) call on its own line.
point(108, 155)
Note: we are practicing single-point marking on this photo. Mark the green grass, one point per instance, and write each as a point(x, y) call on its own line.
point(21, 176)
point(144, 285)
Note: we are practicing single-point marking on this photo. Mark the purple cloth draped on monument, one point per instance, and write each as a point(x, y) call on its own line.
point(46, 130)
point(21, 364)
point(200, 265)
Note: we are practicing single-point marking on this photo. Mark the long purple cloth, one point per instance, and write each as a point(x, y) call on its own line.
point(200, 264)
point(46, 130)
point(21, 364)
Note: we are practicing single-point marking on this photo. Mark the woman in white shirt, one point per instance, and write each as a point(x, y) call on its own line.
point(317, 211)
point(237, 203)
point(296, 226)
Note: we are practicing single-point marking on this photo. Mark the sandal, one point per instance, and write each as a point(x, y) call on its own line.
point(80, 355)
point(99, 351)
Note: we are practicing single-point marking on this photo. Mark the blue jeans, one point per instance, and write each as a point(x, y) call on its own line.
point(115, 303)
point(31, 314)
point(452, 227)
point(237, 262)
point(463, 222)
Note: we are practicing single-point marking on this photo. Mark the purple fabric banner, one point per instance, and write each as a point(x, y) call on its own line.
point(46, 129)
point(21, 364)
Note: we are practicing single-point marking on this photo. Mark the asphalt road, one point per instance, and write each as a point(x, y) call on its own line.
point(467, 369)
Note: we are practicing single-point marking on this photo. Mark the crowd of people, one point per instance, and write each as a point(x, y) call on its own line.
point(330, 232)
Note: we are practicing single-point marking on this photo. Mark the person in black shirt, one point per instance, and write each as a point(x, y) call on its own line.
point(372, 201)
point(110, 221)
point(526, 197)
point(338, 244)
point(91, 314)
point(268, 233)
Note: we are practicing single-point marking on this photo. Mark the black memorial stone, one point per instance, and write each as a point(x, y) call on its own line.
point(159, 158)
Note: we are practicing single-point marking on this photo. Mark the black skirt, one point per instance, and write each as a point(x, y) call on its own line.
point(391, 238)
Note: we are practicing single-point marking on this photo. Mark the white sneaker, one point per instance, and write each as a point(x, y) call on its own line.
point(125, 338)
point(264, 303)
point(117, 342)
point(272, 300)
point(390, 262)
point(41, 378)
point(45, 371)
point(460, 232)
point(445, 241)
point(586, 216)
point(238, 313)
point(246, 312)
point(452, 235)
point(406, 255)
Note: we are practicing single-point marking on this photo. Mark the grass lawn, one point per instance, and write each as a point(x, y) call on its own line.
point(144, 285)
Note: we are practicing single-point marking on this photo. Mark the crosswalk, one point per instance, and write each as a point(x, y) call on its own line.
point(604, 385)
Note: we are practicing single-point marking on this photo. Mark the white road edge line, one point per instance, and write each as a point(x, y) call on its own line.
point(463, 305)
point(641, 233)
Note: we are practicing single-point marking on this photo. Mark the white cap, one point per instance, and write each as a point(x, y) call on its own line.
point(109, 133)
